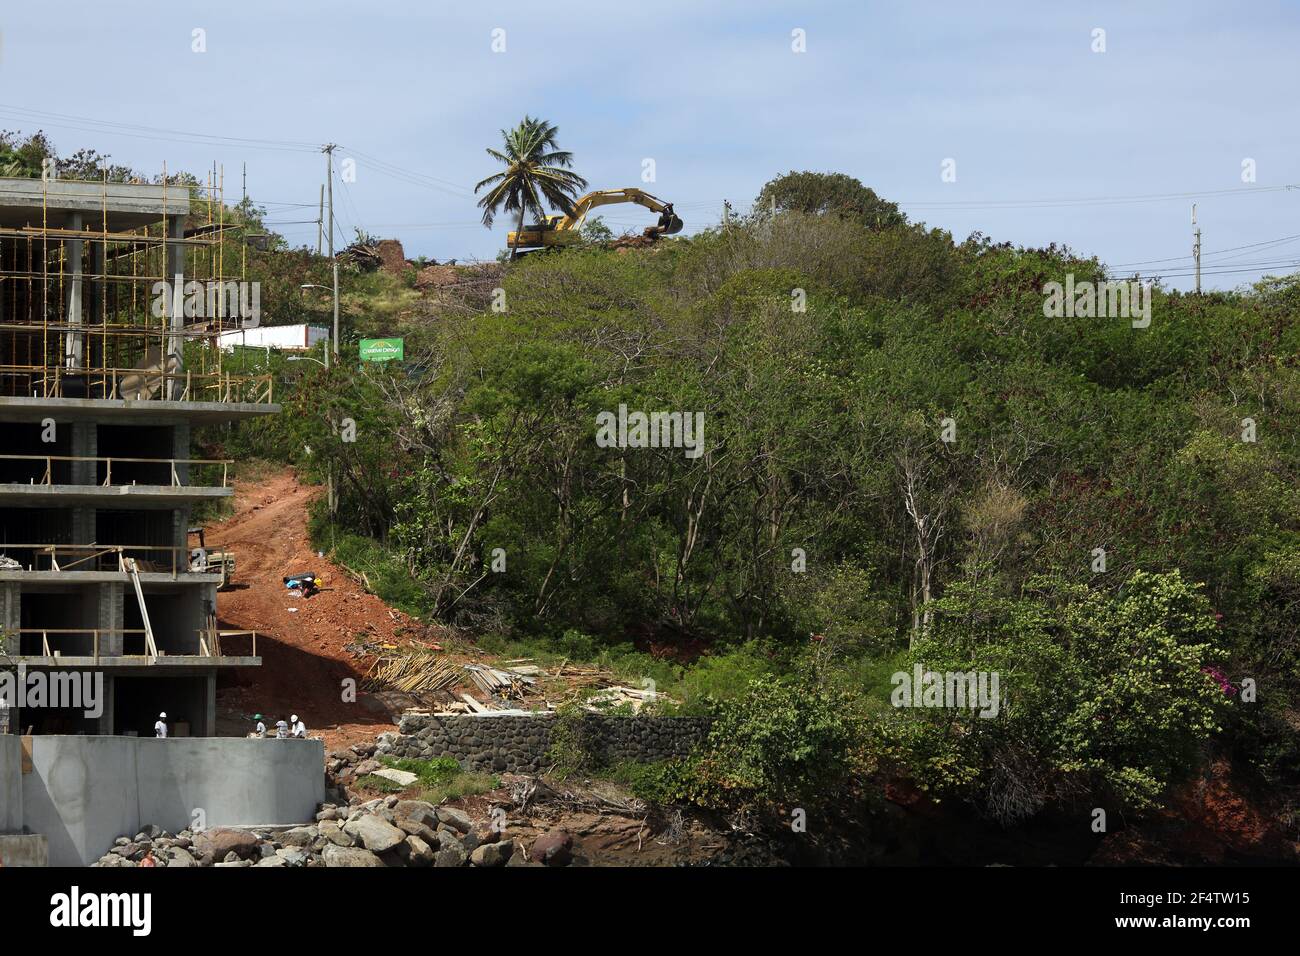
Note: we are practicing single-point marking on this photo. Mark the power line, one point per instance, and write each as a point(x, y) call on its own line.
point(1252, 245)
point(1092, 200)
point(87, 124)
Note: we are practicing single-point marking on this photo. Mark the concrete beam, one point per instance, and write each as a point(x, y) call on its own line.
point(161, 579)
point(113, 496)
point(121, 411)
point(23, 202)
point(128, 665)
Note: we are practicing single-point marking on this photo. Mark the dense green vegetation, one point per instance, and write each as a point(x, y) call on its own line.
point(903, 462)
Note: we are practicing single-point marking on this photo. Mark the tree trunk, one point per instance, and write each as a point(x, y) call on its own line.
point(514, 253)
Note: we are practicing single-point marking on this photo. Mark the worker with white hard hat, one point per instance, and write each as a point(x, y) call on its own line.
point(160, 727)
point(299, 728)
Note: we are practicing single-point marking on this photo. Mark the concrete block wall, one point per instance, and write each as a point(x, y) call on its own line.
point(520, 744)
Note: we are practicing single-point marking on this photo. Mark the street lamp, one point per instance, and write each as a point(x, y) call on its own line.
point(308, 358)
point(335, 343)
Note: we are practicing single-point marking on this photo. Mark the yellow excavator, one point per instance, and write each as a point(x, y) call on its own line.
point(559, 231)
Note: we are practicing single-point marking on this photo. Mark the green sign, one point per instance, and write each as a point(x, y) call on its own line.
point(381, 350)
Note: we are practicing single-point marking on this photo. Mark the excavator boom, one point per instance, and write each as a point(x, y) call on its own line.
point(564, 230)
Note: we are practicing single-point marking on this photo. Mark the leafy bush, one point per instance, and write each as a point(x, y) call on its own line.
point(784, 740)
point(1103, 694)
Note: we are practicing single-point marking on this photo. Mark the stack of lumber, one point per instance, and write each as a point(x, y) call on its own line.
point(413, 673)
point(495, 682)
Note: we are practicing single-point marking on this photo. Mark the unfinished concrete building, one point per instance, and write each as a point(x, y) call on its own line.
point(104, 372)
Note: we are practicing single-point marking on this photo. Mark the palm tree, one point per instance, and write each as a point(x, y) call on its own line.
point(532, 163)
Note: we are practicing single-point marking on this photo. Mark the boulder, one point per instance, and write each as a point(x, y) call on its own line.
point(298, 836)
point(336, 856)
point(178, 856)
point(517, 857)
point(335, 834)
point(453, 855)
point(217, 843)
point(416, 810)
point(420, 853)
point(457, 819)
point(293, 856)
point(375, 834)
point(553, 848)
point(492, 854)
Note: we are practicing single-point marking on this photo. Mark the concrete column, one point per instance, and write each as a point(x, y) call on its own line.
point(10, 616)
point(110, 616)
point(176, 275)
point(74, 352)
point(85, 440)
point(83, 525)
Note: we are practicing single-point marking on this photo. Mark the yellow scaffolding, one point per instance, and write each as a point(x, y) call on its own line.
point(130, 340)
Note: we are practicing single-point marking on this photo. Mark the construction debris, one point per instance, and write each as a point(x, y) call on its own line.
point(494, 682)
point(616, 696)
point(419, 672)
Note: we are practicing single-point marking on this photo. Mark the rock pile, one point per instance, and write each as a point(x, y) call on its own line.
point(383, 832)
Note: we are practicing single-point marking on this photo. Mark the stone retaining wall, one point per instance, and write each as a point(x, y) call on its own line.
point(520, 744)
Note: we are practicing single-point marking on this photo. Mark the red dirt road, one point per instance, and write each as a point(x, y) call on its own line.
point(304, 662)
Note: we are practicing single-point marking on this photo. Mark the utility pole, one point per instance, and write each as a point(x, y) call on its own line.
point(1196, 249)
point(334, 344)
point(328, 149)
point(320, 222)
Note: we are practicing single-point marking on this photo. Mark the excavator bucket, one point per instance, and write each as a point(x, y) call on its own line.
point(669, 223)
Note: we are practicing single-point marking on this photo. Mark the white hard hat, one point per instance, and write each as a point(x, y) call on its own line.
point(294, 718)
point(162, 716)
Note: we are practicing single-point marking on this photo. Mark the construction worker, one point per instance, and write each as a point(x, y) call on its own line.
point(160, 726)
point(299, 728)
point(260, 729)
point(281, 730)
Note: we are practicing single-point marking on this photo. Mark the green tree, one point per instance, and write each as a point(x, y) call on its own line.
point(534, 163)
point(827, 193)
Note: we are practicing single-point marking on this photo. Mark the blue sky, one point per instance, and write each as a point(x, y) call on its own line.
point(1013, 92)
